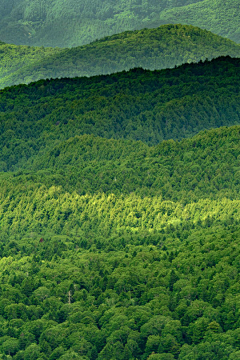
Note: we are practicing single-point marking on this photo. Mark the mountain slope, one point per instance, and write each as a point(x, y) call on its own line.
point(219, 16)
point(111, 248)
point(180, 171)
point(124, 275)
point(138, 105)
point(13, 60)
point(166, 46)
point(65, 24)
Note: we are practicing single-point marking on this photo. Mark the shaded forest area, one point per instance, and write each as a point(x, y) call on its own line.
point(138, 105)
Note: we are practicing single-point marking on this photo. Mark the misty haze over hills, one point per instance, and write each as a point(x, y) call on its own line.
point(77, 22)
point(163, 47)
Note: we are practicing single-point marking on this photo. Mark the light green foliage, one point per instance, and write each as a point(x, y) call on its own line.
point(164, 47)
point(160, 182)
point(14, 58)
point(32, 352)
point(161, 357)
point(101, 276)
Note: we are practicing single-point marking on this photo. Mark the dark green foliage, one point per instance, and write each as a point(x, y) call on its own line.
point(76, 22)
point(140, 105)
point(166, 46)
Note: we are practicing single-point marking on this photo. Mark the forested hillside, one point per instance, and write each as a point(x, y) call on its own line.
point(219, 16)
point(138, 105)
point(77, 22)
point(144, 265)
point(14, 60)
point(119, 221)
point(177, 173)
point(164, 47)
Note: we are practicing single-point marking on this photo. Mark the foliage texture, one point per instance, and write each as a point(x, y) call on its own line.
point(77, 22)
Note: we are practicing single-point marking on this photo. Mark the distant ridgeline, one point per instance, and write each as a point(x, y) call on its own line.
point(219, 16)
point(119, 236)
point(164, 47)
point(72, 23)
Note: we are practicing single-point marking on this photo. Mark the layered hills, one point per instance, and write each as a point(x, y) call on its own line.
point(66, 24)
point(145, 105)
point(119, 220)
point(163, 47)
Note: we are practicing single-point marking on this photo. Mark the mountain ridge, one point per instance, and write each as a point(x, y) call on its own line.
point(164, 47)
point(215, 14)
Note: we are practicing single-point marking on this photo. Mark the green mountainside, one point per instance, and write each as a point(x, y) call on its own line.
point(15, 59)
point(119, 220)
point(164, 47)
point(77, 22)
point(219, 16)
point(137, 105)
point(134, 268)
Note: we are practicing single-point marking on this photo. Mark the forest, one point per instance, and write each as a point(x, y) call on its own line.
point(149, 106)
point(164, 47)
point(120, 216)
point(77, 22)
point(219, 16)
point(142, 264)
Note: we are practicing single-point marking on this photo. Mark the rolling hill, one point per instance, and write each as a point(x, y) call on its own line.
point(219, 16)
point(163, 47)
point(72, 23)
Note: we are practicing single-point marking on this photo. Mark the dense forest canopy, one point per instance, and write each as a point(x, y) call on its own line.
point(77, 22)
point(140, 105)
point(123, 273)
point(163, 47)
point(119, 220)
point(203, 167)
